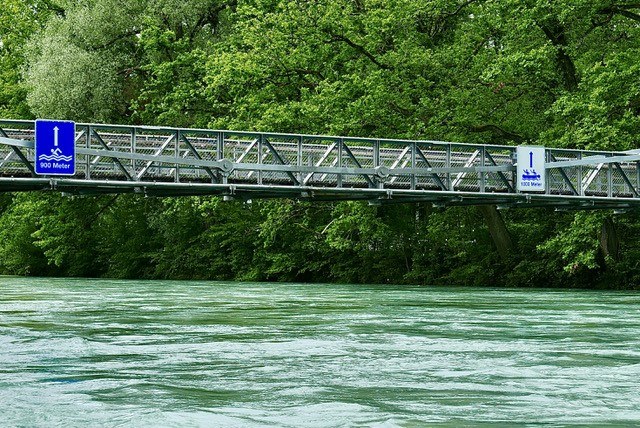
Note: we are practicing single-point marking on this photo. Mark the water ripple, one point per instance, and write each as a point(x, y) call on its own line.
point(160, 353)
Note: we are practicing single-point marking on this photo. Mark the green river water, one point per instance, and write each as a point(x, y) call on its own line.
point(161, 353)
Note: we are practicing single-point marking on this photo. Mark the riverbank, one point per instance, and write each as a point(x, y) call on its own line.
point(129, 236)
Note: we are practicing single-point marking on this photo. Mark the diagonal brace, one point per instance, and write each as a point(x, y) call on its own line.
point(398, 160)
point(281, 161)
point(195, 153)
point(349, 153)
point(564, 175)
point(625, 177)
point(247, 151)
point(24, 160)
point(114, 158)
point(21, 155)
point(435, 177)
point(461, 175)
point(586, 182)
point(500, 174)
point(157, 152)
point(320, 161)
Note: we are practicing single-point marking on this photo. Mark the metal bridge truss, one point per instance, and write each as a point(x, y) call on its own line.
point(247, 165)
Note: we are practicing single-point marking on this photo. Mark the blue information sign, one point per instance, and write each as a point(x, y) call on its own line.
point(55, 147)
point(531, 169)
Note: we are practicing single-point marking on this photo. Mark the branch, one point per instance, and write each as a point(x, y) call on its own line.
point(339, 38)
point(495, 129)
point(306, 72)
point(88, 222)
point(630, 15)
point(439, 23)
point(128, 33)
point(131, 70)
point(58, 10)
point(459, 9)
point(555, 32)
point(211, 17)
point(595, 24)
point(622, 9)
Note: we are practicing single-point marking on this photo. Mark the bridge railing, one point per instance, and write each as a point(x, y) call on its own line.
point(142, 154)
point(185, 155)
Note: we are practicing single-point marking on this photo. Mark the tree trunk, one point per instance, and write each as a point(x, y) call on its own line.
point(556, 33)
point(609, 240)
point(498, 230)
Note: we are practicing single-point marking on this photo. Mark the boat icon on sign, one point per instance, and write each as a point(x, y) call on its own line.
point(530, 175)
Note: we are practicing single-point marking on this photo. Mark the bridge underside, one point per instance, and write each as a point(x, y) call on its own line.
point(245, 166)
point(250, 192)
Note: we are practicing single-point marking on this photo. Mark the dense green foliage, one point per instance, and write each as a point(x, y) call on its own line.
point(562, 74)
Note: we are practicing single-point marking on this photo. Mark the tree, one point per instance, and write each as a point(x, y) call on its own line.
point(510, 72)
point(19, 20)
point(84, 69)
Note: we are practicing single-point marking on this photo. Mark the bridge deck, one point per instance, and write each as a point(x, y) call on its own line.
point(246, 165)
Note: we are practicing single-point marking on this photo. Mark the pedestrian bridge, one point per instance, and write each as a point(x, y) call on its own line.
point(158, 161)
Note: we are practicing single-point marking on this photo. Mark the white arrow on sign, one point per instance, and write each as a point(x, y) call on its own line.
point(55, 136)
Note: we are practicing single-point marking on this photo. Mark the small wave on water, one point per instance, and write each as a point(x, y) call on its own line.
point(184, 353)
point(58, 158)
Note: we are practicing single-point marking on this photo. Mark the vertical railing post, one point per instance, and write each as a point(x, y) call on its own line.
point(300, 176)
point(87, 158)
point(580, 172)
point(448, 165)
point(220, 146)
point(133, 150)
point(376, 153)
point(547, 175)
point(177, 156)
point(376, 162)
point(482, 173)
point(220, 155)
point(609, 179)
point(260, 148)
point(638, 176)
point(339, 176)
point(178, 137)
point(414, 150)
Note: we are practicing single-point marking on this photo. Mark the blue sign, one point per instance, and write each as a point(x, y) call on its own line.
point(55, 147)
point(530, 169)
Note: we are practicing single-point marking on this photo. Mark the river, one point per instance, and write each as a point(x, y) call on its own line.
point(80, 352)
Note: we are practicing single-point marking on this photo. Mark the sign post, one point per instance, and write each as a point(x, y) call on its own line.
point(55, 147)
point(530, 169)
